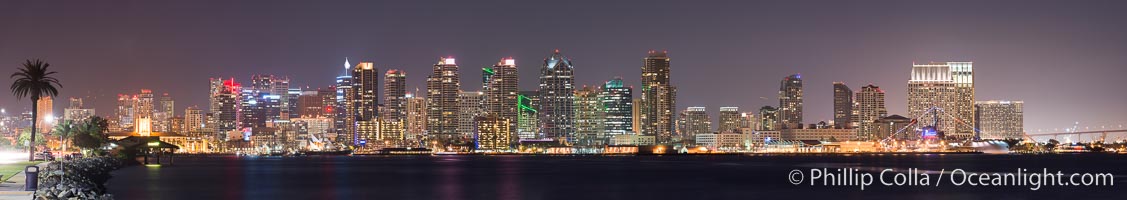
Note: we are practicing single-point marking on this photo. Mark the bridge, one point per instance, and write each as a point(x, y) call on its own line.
point(1076, 136)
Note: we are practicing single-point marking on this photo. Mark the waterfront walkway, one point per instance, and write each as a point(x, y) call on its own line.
point(13, 188)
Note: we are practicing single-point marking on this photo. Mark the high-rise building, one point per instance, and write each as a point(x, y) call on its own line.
point(636, 111)
point(729, 120)
point(274, 85)
point(768, 119)
point(442, 100)
point(501, 91)
point(343, 122)
point(590, 116)
point(143, 109)
point(124, 112)
point(618, 102)
point(46, 117)
point(395, 95)
point(527, 117)
point(469, 108)
point(1000, 119)
point(790, 102)
point(416, 121)
point(748, 122)
point(225, 113)
point(75, 112)
point(162, 116)
point(658, 100)
point(492, 133)
point(695, 120)
point(193, 121)
point(843, 106)
point(947, 87)
point(75, 103)
point(557, 98)
point(311, 104)
point(365, 101)
point(869, 109)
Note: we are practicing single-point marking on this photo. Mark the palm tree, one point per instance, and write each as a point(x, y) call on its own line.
point(64, 130)
point(34, 81)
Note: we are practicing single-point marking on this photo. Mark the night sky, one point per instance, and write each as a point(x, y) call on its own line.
point(1066, 59)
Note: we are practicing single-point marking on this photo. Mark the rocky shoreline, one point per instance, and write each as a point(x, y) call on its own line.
point(81, 178)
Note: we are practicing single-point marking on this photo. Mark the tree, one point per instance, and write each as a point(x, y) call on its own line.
point(33, 80)
point(91, 134)
point(24, 137)
point(64, 130)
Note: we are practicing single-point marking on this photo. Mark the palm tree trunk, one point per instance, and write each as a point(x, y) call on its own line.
point(34, 123)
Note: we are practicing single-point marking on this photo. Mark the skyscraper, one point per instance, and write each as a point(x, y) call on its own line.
point(365, 84)
point(790, 102)
point(442, 100)
point(501, 91)
point(274, 85)
point(527, 116)
point(843, 106)
point(695, 120)
point(557, 98)
point(193, 121)
point(45, 107)
point(590, 116)
point(1000, 119)
point(768, 119)
point(469, 108)
point(729, 120)
point(618, 102)
point(143, 108)
point(658, 98)
point(492, 133)
point(393, 116)
point(870, 108)
point(226, 110)
point(164, 113)
point(344, 122)
point(416, 120)
point(948, 87)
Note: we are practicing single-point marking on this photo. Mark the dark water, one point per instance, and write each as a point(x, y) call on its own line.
point(590, 177)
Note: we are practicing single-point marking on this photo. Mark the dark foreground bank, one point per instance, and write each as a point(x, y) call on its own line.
point(587, 177)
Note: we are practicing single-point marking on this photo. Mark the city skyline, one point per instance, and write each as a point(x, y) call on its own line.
point(1004, 64)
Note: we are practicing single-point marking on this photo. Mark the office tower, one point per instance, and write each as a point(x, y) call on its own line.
point(393, 119)
point(557, 98)
point(501, 91)
point(492, 133)
point(694, 120)
point(311, 104)
point(274, 85)
point(618, 102)
point(225, 114)
point(252, 109)
point(143, 109)
point(124, 114)
point(527, 117)
point(75, 103)
point(729, 120)
point(45, 118)
point(365, 101)
point(193, 121)
point(869, 109)
point(442, 100)
point(590, 117)
point(1000, 119)
point(163, 114)
point(748, 122)
point(343, 121)
point(416, 121)
point(637, 118)
point(768, 119)
point(658, 98)
point(843, 106)
point(75, 112)
point(290, 105)
point(167, 105)
point(469, 108)
point(790, 102)
point(946, 86)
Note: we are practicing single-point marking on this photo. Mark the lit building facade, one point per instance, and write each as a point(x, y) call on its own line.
point(1000, 119)
point(344, 121)
point(557, 98)
point(618, 104)
point(590, 117)
point(843, 106)
point(948, 86)
point(790, 102)
point(501, 91)
point(416, 120)
point(658, 100)
point(869, 109)
point(729, 120)
point(442, 100)
point(768, 119)
point(469, 108)
point(695, 120)
point(527, 117)
point(492, 133)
